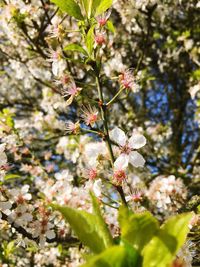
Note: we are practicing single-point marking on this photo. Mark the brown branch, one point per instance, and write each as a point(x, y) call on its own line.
point(73, 241)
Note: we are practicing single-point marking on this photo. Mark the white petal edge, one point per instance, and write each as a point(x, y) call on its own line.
point(121, 162)
point(118, 136)
point(137, 141)
point(136, 159)
point(50, 234)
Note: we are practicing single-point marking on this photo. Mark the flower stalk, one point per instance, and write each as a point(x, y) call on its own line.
point(104, 118)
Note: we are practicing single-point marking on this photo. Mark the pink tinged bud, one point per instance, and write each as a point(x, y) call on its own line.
point(92, 174)
point(90, 115)
point(92, 118)
point(5, 167)
point(73, 127)
point(70, 91)
point(55, 55)
point(100, 39)
point(137, 197)
point(102, 21)
point(65, 79)
point(119, 176)
point(127, 79)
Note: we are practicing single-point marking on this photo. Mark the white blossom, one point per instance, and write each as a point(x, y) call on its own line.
point(127, 149)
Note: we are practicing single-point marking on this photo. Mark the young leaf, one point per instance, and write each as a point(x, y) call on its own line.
point(110, 26)
point(95, 4)
point(103, 6)
point(123, 214)
point(90, 40)
point(100, 220)
point(116, 256)
point(85, 227)
point(177, 226)
point(138, 229)
point(162, 249)
point(75, 47)
point(70, 7)
point(11, 176)
point(88, 7)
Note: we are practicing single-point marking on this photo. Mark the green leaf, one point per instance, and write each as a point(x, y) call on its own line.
point(11, 176)
point(196, 74)
point(123, 214)
point(138, 229)
point(162, 249)
point(90, 40)
point(70, 7)
point(100, 220)
point(75, 47)
point(198, 209)
point(116, 256)
point(103, 6)
point(85, 226)
point(88, 7)
point(110, 26)
point(8, 248)
point(95, 4)
point(177, 226)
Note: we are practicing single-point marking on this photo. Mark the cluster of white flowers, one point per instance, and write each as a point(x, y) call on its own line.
point(71, 166)
point(16, 205)
point(167, 193)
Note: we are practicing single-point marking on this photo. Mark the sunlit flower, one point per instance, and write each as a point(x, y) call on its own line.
point(128, 80)
point(73, 127)
point(71, 91)
point(57, 32)
point(102, 19)
point(90, 115)
point(91, 170)
point(127, 147)
point(43, 229)
point(58, 63)
point(100, 38)
point(185, 255)
point(64, 80)
point(20, 196)
point(54, 55)
point(21, 215)
point(136, 196)
point(167, 193)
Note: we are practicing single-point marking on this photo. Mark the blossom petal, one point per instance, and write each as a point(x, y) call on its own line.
point(137, 141)
point(97, 188)
point(50, 234)
point(121, 162)
point(25, 188)
point(118, 136)
point(5, 205)
point(136, 159)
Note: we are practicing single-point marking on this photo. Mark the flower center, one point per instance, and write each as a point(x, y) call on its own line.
point(92, 118)
point(92, 174)
point(126, 149)
point(119, 175)
point(100, 39)
point(20, 199)
point(102, 21)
